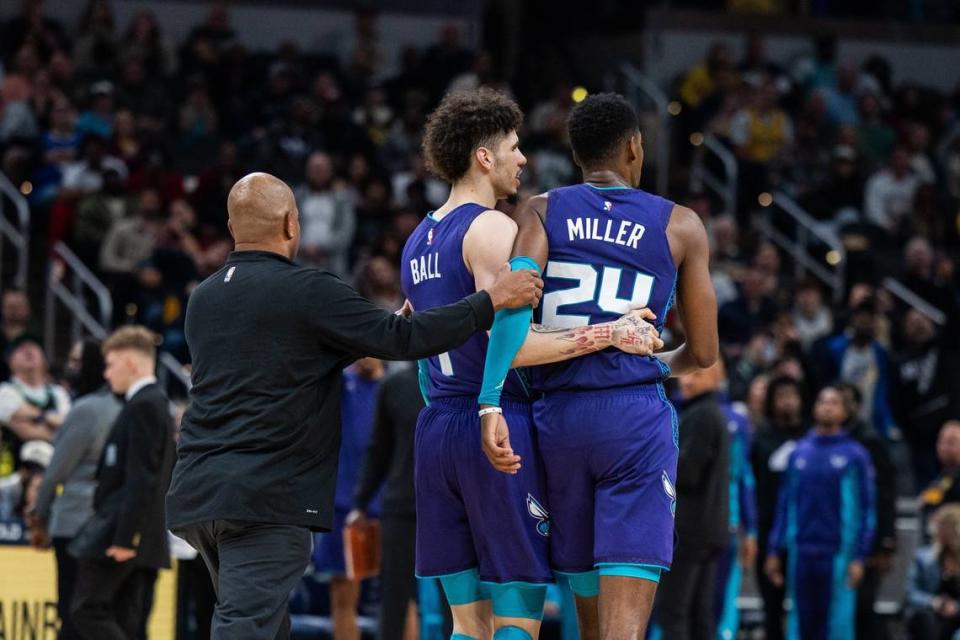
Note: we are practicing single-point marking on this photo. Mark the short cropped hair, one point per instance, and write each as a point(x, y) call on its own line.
point(462, 122)
point(599, 125)
point(133, 337)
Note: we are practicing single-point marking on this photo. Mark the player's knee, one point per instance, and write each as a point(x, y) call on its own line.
point(523, 601)
point(512, 632)
point(472, 622)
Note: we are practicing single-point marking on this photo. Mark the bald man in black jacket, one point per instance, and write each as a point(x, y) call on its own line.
point(259, 443)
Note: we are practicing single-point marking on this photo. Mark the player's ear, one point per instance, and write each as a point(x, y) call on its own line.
point(289, 225)
point(633, 146)
point(484, 157)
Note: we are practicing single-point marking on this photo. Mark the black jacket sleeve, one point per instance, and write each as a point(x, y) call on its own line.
point(350, 322)
point(700, 434)
point(376, 462)
point(142, 471)
point(886, 494)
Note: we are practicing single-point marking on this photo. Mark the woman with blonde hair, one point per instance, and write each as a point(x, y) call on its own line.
point(933, 597)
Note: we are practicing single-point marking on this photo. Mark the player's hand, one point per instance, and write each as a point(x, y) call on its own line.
point(121, 554)
point(854, 574)
point(406, 310)
point(632, 333)
point(772, 568)
point(356, 516)
point(748, 551)
point(514, 289)
point(495, 436)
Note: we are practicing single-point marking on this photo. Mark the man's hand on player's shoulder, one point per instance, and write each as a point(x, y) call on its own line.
point(513, 289)
point(633, 333)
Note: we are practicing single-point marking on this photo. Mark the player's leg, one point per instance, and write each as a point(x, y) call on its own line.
point(842, 605)
point(635, 463)
point(517, 610)
point(508, 517)
point(565, 449)
point(344, 597)
point(625, 605)
point(445, 546)
point(271, 557)
point(811, 591)
point(328, 560)
point(470, 605)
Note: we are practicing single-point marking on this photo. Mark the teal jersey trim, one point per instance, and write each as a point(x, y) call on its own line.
point(737, 456)
point(423, 379)
point(849, 511)
point(610, 188)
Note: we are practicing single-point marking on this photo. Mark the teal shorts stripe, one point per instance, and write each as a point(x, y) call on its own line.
point(649, 572)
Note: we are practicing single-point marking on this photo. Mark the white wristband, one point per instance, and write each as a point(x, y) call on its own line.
point(484, 412)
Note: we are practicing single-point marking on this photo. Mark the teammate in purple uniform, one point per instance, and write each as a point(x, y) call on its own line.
point(483, 533)
point(605, 429)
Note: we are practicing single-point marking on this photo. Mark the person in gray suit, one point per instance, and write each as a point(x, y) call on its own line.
point(77, 448)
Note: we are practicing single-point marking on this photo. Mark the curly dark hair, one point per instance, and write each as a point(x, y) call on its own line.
point(598, 125)
point(463, 121)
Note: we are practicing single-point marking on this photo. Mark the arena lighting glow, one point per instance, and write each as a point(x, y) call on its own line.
point(579, 94)
point(674, 108)
point(765, 199)
point(26, 188)
point(833, 257)
point(696, 138)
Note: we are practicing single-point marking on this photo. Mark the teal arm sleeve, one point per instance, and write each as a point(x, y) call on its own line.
point(509, 330)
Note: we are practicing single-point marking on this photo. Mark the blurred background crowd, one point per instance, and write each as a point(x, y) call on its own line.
point(828, 178)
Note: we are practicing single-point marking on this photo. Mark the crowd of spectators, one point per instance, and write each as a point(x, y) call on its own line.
point(127, 143)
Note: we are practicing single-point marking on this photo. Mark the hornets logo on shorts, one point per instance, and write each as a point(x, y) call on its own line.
point(670, 491)
point(536, 510)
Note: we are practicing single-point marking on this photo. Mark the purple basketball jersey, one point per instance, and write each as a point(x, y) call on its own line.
point(433, 274)
point(609, 253)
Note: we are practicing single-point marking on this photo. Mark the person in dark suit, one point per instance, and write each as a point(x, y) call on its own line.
point(259, 443)
point(120, 549)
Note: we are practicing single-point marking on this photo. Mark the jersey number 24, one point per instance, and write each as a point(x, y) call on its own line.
point(605, 297)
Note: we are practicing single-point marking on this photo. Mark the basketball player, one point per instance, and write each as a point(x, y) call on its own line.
point(606, 432)
point(483, 533)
